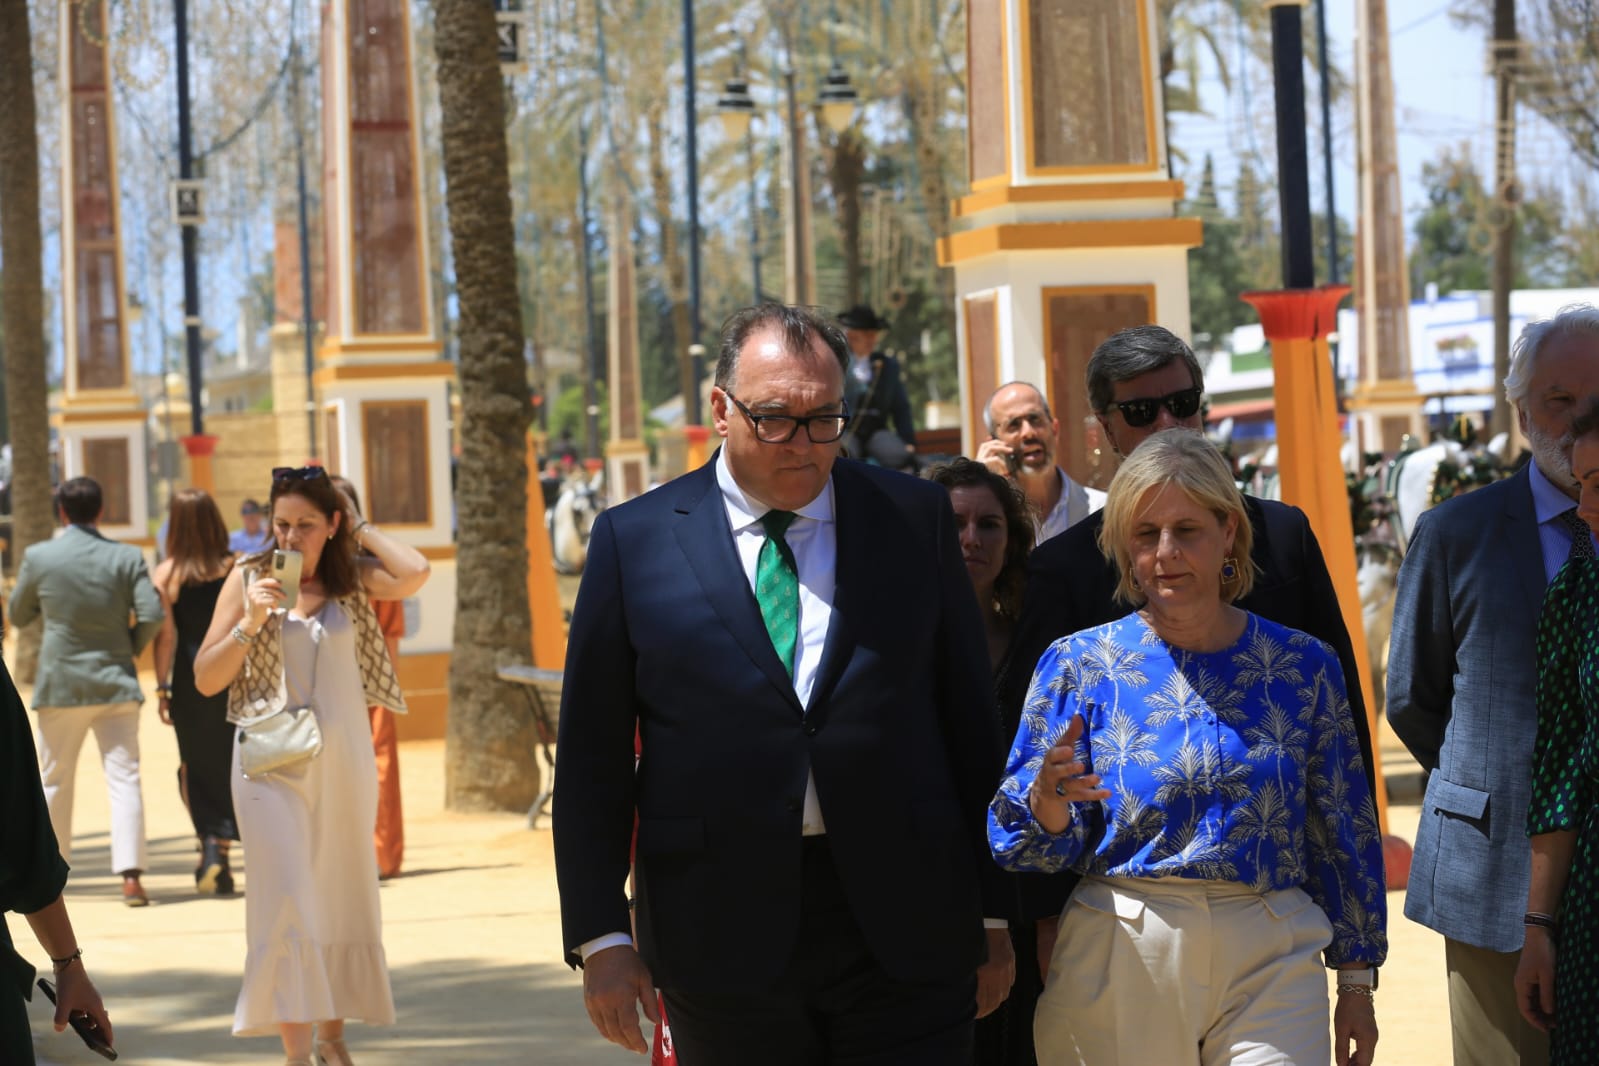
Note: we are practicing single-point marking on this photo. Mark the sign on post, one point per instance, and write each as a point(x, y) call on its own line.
point(512, 27)
point(188, 205)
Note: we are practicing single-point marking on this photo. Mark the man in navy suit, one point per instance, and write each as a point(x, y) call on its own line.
point(1141, 381)
point(817, 744)
point(1461, 674)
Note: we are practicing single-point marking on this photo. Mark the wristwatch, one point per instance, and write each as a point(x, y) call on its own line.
point(1366, 978)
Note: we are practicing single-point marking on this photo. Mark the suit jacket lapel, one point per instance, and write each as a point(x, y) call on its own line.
point(1523, 543)
point(852, 501)
point(707, 542)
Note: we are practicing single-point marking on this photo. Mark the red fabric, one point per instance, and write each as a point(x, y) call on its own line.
point(391, 617)
point(663, 1053)
point(388, 836)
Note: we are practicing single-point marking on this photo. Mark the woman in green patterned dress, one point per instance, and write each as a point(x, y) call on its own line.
point(1557, 981)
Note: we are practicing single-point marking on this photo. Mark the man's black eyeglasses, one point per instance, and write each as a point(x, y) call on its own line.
point(780, 429)
point(298, 473)
point(1142, 411)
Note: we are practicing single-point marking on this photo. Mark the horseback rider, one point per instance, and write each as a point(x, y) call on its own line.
point(875, 392)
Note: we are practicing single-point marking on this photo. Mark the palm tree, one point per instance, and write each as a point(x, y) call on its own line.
point(490, 742)
point(22, 304)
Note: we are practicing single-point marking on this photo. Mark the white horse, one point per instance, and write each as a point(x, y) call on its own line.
point(571, 520)
point(1411, 480)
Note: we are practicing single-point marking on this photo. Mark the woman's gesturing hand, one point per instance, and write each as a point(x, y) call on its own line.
point(1062, 780)
point(1535, 978)
point(1354, 1021)
point(260, 597)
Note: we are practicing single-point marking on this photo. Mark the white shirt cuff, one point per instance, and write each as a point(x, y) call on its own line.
point(995, 923)
point(600, 943)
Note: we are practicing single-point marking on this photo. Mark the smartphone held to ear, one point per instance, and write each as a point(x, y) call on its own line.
point(286, 568)
point(82, 1024)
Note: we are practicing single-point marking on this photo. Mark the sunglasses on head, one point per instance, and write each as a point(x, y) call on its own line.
point(1142, 411)
point(298, 473)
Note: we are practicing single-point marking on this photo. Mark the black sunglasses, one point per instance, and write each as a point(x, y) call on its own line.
point(298, 473)
point(780, 429)
point(1142, 411)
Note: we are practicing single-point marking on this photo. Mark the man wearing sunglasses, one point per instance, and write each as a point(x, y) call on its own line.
point(795, 640)
point(1141, 381)
point(1025, 437)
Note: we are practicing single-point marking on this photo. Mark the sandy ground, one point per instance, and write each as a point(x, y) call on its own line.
point(473, 937)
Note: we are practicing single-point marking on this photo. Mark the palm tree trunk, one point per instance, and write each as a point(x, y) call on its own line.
point(22, 306)
point(671, 257)
point(489, 761)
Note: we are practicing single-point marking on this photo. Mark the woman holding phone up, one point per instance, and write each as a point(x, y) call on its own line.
point(311, 916)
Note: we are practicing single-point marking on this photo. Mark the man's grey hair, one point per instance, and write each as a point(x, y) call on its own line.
point(1573, 320)
point(1125, 355)
point(796, 324)
point(988, 408)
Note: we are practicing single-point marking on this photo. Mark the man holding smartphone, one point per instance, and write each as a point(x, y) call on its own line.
point(1024, 438)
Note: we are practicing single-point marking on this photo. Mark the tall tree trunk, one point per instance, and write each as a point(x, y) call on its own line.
point(1503, 203)
point(671, 258)
point(22, 305)
point(846, 168)
point(489, 761)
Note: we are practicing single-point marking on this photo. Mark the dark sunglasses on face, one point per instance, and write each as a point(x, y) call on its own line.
point(298, 473)
point(780, 429)
point(1142, 411)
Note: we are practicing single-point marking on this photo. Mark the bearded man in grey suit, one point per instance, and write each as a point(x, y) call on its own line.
point(1461, 674)
point(100, 610)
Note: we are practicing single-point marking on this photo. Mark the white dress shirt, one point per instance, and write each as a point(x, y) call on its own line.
point(1076, 503)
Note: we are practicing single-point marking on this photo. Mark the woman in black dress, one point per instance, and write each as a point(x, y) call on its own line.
point(188, 580)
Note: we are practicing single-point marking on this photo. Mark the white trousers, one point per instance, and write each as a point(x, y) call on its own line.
point(116, 731)
point(1185, 973)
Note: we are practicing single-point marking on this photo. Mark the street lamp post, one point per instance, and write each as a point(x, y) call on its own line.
point(737, 108)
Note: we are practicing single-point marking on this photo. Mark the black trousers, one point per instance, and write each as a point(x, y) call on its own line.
point(834, 1006)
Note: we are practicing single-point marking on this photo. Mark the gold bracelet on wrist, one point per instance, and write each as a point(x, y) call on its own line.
point(1358, 990)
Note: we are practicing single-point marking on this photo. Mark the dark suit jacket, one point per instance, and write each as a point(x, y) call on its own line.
point(1462, 669)
point(1071, 587)
point(666, 635)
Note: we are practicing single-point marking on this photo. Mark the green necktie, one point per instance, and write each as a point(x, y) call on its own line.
point(1581, 540)
point(777, 587)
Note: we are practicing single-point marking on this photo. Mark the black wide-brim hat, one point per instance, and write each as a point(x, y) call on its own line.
point(861, 316)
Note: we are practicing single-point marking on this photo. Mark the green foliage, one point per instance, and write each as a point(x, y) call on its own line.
point(1215, 268)
point(567, 414)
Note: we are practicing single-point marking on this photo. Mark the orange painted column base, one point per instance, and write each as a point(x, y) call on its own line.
point(543, 595)
point(1296, 322)
point(699, 450)
point(200, 450)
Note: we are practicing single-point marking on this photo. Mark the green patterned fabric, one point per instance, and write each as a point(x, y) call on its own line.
point(777, 587)
point(1565, 792)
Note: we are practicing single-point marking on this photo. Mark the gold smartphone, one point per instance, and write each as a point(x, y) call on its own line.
point(286, 568)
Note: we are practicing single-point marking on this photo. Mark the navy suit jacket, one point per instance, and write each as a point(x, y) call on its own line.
point(1462, 669)
point(899, 734)
point(1072, 587)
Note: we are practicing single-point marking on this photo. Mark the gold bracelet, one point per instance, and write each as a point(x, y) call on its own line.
point(1358, 990)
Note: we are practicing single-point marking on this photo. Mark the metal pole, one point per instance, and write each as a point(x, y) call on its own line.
point(1333, 272)
point(591, 404)
point(796, 135)
point(307, 311)
point(755, 217)
point(1505, 198)
point(691, 402)
point(1288, 66)
point(191, 237)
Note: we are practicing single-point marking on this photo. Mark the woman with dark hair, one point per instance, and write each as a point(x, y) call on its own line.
point(312, 915)
point(188, 579)
point(389, 838)
point(996, 536)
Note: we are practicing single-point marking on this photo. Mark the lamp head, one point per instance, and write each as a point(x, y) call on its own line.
point(838, 99)
point(736, 107)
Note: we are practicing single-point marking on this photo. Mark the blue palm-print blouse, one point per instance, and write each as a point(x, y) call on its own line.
point(1237, 765)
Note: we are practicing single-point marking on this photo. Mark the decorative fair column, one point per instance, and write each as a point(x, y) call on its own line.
point(381, 383)
point(1068, 233)
point(627, 457)
point(100, 423)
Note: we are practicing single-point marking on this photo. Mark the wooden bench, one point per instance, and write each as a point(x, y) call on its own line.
point(543, 691)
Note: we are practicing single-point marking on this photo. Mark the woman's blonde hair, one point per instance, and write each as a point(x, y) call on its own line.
point(1186, 459)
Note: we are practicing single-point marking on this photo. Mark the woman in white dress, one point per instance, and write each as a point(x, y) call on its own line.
point(312, 915)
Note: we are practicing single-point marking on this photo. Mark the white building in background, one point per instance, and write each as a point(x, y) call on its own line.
point(1451, 356)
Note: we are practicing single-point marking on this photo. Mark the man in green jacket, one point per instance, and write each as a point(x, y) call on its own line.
point(100, 610)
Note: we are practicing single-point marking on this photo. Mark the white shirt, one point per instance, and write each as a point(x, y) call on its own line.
point(1076, 503)
point(813, 538)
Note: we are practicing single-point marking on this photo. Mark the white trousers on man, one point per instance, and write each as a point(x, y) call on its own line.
point(1183, 972)
point(116, 730)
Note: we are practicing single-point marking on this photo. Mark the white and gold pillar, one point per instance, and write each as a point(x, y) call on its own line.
point(1068, 234)
point(627, 457)
point(100, 424)
point(381, 383)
